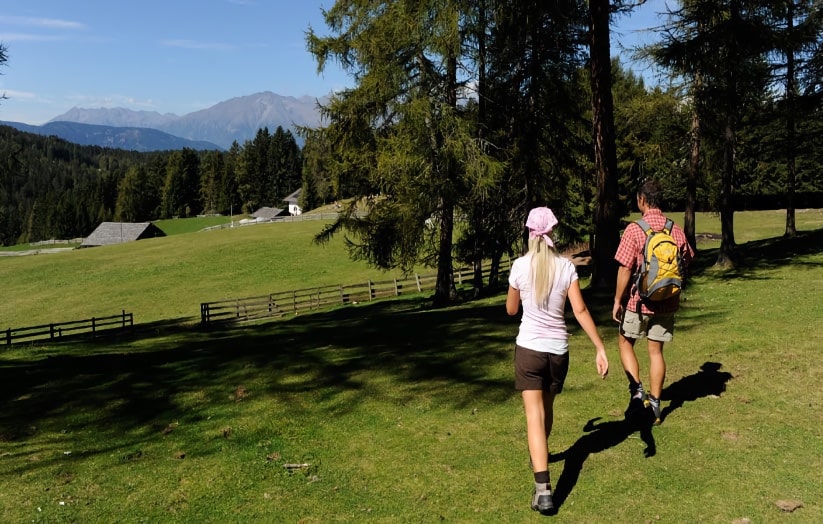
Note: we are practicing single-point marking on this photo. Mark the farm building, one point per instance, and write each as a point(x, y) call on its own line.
point(268, 213)
point(292, 201)
point(119, 232)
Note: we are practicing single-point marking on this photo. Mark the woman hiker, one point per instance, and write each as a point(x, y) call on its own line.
point(541, 280)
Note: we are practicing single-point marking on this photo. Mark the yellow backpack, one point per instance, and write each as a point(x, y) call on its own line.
point(661, 275)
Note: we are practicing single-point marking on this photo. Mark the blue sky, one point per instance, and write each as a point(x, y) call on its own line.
point(172, 56)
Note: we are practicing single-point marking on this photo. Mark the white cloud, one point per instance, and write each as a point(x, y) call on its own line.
point(192, 44)
point(52, 23)
point(29, 37)
point(111, 101)
point(18, 94)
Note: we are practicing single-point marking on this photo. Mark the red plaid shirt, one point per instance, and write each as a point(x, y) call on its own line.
point(630, 254)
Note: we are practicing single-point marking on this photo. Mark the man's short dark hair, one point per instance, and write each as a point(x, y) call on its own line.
point(652, 191)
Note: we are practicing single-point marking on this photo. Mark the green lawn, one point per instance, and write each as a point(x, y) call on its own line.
point(177, 226)
point(168, 277)
point(394, 412)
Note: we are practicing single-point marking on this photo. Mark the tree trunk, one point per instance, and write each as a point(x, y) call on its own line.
point(477, 280)
point(494, 271)
point(726, 254)
point(445, 277)
point(606, 219)
point(791, 151)
point(691, 181)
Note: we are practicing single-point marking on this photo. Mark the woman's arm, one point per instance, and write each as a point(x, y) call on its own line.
point(513, 301)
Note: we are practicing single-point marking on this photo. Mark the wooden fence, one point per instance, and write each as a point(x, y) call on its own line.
point(53, 241)
point(93, 326)
point(287, 218)
point(294, 302)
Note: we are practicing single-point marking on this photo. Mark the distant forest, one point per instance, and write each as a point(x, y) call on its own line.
point(50, 188)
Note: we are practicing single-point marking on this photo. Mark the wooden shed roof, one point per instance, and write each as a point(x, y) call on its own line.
point(269, 212)
point(119, 232)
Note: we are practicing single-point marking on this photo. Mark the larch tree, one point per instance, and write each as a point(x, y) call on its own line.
point(719, 46)
point(212, 171)
point(535, 119)
point(3, 59)
point(401, 134)
point(135, 202)
point(797, 29)
point(180, 190)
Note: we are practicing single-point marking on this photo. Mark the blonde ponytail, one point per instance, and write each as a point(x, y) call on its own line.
point(542, 270)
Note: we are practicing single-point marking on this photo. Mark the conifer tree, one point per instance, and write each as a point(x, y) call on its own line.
point(723, 43)
point(401, 130)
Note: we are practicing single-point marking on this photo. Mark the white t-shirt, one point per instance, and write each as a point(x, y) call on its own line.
point(543, 329)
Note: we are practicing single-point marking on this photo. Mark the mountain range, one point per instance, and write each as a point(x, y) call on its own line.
point(217, 127)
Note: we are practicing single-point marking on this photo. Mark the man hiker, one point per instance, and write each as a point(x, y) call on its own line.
point(647, 316)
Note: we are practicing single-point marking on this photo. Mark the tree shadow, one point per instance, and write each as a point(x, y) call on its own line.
point(766, 253)
point(135, 384)
point(600, 436)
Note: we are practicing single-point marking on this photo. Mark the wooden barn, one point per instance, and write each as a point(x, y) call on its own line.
point(268, 213)
point(118, 232)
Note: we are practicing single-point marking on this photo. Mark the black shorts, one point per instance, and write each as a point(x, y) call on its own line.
point(539, 370)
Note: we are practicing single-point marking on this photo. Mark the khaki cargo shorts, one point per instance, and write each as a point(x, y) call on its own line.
point(658, 327)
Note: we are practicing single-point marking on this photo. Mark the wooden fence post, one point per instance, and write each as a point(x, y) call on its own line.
point(8, 337)
point(371, 292)
point(396, 288)
point(51, 331)
point(93, 326)
point(417, 279)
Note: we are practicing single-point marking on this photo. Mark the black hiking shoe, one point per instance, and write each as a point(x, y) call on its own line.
point(654, 403)
point(542, 499)
point(637, 402)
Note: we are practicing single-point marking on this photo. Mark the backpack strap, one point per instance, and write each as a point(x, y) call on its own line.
point(644, 225)
point(647, 228)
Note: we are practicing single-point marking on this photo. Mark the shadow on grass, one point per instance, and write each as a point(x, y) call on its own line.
point(600, 436)
point(708, 382)
point(766, 253)
point(135, 385)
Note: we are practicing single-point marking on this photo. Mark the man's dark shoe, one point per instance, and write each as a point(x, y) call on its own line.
point(637, 403)
point(654, 403)
point(542, 499)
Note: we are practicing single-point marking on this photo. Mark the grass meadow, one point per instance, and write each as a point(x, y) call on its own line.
point(392, 411)
point(167, 278)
